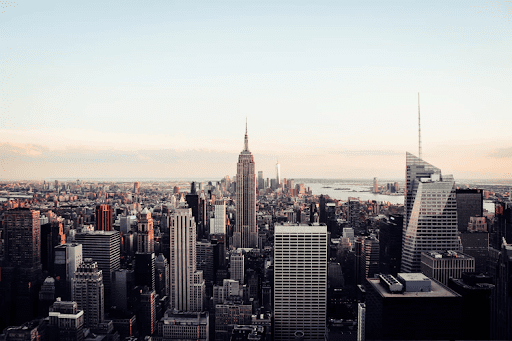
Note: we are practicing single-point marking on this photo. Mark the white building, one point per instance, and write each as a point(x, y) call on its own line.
point(218, 223)
point(187, 284)
point(430, 222)
point(300, 281)
point(236, 266)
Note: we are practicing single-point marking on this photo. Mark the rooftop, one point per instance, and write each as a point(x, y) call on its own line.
point(300, 228)
point(438, 290)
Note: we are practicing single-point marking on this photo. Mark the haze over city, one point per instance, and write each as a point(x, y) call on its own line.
point(162, 89)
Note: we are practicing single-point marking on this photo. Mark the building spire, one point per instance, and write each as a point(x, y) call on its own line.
point(246, 142)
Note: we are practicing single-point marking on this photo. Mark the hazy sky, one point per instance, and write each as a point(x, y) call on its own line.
point(329, 88)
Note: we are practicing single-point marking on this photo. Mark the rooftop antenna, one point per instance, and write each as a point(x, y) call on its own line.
point(419, 128)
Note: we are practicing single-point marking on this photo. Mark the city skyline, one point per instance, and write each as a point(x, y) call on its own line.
point(104, 89)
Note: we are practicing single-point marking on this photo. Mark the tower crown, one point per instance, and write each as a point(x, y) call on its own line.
point(246, 140)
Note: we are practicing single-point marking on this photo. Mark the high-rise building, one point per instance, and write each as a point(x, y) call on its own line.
point(22, 237)
point(219, 220)
point(88, 292)
point(361, 319)
point(162, 276)
point(21, 271)
point(246, 230)
point(469, 204)
point(300, 281)
point(145, 233)
point(136, 186)
point(236, 266)
point(370, 257)
point(187, 284)
point(353, 214)
point(430, 222)
point(104, 217)
point(261, 182)
point(390, 239)
point(501, 297)
point(104, 247)
point(67, 258)
point(65, 321)
point(375, 185)
point(476, 290)
point(278, 174)
point(414, 307)
point(446, 265)
point(52, 234)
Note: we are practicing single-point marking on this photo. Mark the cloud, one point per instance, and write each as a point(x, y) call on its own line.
point(501, 153)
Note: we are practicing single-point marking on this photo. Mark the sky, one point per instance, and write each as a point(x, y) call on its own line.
point(162, 89)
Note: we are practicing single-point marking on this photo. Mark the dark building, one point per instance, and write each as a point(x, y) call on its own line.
point(501, 299)
point(323, 212)
point(145, 270)
point(104, 247)
point(66, 321)
point(103, 217)
point(52, 235)
point(476, 244)
point(411, 308)
point(192, 200)
point(20, 276)
point(475, 289)
point(390, 238)
point(502, 225)
point(469, 204)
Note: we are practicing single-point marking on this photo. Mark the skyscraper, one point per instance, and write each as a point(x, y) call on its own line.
point(278, 174)
point(67, 258)
point(88, 292)
point(104, 247)
point(300, 281)
point(246, 230)
point(104, 217)
point(145, 233)
point(21, 270)
point(187, 284)
point(430, 222)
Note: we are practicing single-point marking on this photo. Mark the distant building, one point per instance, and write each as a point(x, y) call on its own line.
point(145, 232)
point(469, 204)
point(390, 239)
point(67, 258)
point(246, 229)
point(66, 321)
point(375, 185)
point(442, 266)
point(104, 247)
point(184, 326)
point(104, 217)
point(430, 222)
point(88, 292)
point(476, 244)
point(236, 269)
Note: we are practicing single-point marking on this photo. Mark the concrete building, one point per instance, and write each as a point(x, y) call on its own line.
point(245, 234)
point(65, 322)
point(469, 204)
point(177, 325)
point(442, 266)
point(145, 232)
point(300, 281)
point(187, 284)
point(67, 258)
point(412, 307)
point(104, 247)
point(104, 217)
point(88, 292)
point(236, 269)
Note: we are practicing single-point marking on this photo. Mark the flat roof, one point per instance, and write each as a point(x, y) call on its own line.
point(416, 276)
point(301, 228)
point(438, 290)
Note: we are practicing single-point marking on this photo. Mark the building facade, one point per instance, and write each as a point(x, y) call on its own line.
point(430, 222)
point(88, 292)
point(246, 229)
point(185, 283)
point(300, 281)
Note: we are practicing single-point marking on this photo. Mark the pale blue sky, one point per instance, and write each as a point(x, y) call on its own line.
point(329, 87)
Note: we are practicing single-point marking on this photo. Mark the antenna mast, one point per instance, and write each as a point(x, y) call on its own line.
point(419, 129)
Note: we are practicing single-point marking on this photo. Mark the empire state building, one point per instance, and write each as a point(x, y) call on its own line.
point(246, 230)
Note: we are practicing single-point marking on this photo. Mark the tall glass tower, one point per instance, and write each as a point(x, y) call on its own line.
point(246, 230)
point(430, 222)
